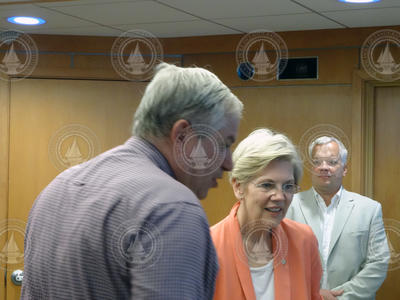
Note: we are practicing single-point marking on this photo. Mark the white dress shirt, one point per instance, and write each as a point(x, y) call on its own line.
point(263, 281)
point(327, 218)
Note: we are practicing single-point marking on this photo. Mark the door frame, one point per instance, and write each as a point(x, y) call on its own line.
point(363, 125)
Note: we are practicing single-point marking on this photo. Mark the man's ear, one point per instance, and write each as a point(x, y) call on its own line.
point(179, 130)
point(237, 189)
point(345, 170)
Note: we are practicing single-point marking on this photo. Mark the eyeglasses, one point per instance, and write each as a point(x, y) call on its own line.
point(332, 162)
point(287, 188)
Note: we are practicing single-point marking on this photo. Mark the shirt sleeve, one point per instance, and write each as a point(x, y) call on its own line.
point(173, 256)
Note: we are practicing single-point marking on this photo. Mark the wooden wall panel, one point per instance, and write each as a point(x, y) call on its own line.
point(387, 149)
point(386, 176)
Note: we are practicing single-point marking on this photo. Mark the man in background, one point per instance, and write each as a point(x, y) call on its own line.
point(349, 227)
point(128, 224)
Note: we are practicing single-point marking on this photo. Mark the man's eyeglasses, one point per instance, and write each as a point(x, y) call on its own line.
point(332, 162)
point(287, 188)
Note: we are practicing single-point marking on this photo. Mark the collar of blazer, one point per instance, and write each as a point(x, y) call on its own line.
point(311, 213)
point(281, 264)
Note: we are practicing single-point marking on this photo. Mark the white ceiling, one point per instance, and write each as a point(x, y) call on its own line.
point(176, 18)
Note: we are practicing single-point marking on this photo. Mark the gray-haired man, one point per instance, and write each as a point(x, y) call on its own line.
point(128, 224)
point(348, 226)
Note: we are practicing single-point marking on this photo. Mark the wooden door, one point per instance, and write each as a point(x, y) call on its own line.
point(54, 124)
point(386, 178)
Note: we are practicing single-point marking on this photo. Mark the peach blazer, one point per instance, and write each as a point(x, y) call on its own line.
point(297, 266)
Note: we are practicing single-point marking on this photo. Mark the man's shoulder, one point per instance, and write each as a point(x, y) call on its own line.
point(360, 200)
point(147, 176)
point(357, 198)
point(162, 189)
point(175, 191)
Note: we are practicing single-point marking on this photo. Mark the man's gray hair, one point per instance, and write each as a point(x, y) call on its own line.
point(193, 94)
point(325, 140)
point(256, 151)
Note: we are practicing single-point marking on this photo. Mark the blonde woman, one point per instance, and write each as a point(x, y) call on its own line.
point(262, 255)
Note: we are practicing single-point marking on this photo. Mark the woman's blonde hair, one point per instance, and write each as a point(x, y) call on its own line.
point(257, 150)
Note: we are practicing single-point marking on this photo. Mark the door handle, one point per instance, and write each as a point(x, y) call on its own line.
point(17, 276)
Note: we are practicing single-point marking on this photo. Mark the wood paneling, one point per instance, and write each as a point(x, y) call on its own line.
point(387, 149)
point(386, 177)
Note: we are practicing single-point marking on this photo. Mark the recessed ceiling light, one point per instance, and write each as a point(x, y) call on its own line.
point(20, 20)
point(359, 1)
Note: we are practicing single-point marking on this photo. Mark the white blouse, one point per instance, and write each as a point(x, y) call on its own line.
point(263, 281)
